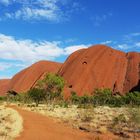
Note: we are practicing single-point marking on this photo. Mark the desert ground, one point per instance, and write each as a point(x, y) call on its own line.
point(54, 122)
point(10, 123)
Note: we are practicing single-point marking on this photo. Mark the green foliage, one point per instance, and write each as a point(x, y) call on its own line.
point(64, 104)
point(52, 85)
point(37, 95)
point(132, 98)
point(74, 98)
point(101, 97)
point(82, 101)
point(48, 89)
point(2, 98)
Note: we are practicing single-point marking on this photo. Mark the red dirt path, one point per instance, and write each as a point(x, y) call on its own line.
point(39, 127)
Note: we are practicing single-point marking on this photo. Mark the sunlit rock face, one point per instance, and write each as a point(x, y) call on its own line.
point(100, 66)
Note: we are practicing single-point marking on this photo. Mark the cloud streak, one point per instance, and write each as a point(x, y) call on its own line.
point(50, 10)
point(100, 19)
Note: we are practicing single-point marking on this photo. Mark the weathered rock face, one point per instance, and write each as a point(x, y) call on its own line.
point(4, 83)
point(101, 67)
point(28, 77)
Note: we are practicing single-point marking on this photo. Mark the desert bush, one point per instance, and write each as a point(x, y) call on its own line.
point(134, 119)
point(105, 97)
point(37, 95)
point(74, 98)
point(82, 101)
point(52, 85)
point(64, 104)
point(118, 123)
point(132, 98)
point(2, 98)
point(102, 97)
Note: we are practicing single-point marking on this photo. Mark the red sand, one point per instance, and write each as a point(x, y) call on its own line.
point(39, 127)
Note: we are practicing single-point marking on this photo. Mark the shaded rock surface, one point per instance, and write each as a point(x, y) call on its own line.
point(100, 66)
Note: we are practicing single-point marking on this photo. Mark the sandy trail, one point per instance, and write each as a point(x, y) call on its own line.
point(39, 127)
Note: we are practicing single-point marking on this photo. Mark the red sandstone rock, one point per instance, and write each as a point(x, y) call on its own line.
point(101, 67)
point(4, 86)
point(28, 77)
point(85, 70)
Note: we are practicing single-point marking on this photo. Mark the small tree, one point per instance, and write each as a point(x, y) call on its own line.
point(37, 95)
point(52, 85)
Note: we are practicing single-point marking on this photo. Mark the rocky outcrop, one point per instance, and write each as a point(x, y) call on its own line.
point(100, 66)
point(84, 71)
point(28, 77)
point(4, 83)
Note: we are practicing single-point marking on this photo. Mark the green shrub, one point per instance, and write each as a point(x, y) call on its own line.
point(64, 104)
point(105, 97)
point(52, 85)
point(2, 98)
point(132, 98)
point(37, 95)
point(74, 98)
point(102, 97)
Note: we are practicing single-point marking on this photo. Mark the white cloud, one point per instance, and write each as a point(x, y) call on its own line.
point(27, 13)
point(134, 34)
point(29, 51)
point(20, 53)
point(99, 19)
point(50, 10)
point(46, 9)
point(123, 46)
point(71, 49)
point(130, 38)
point(138, 44)
point(107, 42)
point(4, 66)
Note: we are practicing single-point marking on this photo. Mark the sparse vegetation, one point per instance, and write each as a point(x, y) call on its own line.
point(52, 85)
point(105, 97)
point(37, 95)
point(49, 91)
point(10, 123)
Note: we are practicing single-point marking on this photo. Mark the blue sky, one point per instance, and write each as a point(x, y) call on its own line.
point(32, 30)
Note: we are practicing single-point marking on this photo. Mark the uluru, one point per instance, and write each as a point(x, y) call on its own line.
point(4, 86)
point(27, 78)
point(99, 67)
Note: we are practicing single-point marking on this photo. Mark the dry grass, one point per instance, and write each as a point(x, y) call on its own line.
point(10, 123)
point(98, 119)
